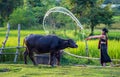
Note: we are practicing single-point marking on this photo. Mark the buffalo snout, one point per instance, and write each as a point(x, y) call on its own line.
point(72, 44)
point(75, 46)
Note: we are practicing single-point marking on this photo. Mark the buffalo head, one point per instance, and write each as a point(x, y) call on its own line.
point(71, 43)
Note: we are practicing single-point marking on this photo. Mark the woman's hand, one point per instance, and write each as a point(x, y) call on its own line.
point(88, 38)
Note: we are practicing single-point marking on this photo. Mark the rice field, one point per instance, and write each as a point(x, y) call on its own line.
point(113, 43)
point(93, 51)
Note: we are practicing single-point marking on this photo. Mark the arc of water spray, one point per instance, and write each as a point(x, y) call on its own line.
point(67, 12)
point(64, 11)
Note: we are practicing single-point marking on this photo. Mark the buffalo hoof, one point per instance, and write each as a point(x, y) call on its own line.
point(52, 65)
point(35, 64)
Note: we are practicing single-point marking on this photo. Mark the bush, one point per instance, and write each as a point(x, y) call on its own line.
point(39, 14)
point(22, 16)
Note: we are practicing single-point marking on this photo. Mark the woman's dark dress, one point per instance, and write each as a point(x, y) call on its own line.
point(104, 57)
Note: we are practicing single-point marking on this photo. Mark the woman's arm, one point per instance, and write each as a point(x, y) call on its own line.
point(97, 36)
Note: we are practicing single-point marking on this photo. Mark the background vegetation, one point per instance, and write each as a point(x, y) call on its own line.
point(31, 12)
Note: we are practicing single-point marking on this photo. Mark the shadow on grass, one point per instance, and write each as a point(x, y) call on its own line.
point(4, 70)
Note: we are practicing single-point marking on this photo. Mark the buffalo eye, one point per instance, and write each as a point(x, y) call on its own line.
point(70, 41)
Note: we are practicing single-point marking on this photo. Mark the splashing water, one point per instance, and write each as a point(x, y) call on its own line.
point(61, 10)
point(48, 27)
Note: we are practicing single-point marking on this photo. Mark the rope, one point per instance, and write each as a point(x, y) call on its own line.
point(12, 47)
point(77, 56)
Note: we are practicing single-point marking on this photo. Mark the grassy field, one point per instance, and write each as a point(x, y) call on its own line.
point(20, 70)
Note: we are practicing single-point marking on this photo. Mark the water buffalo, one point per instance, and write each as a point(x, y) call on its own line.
point(46, 44)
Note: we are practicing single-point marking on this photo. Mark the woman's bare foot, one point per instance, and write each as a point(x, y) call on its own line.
point(111, 64)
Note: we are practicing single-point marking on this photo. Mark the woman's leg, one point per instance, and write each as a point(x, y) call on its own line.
point(104, 64)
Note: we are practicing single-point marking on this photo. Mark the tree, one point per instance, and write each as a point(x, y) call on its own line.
point(91, 12)
point(22, 16)
point(7, 7)
point(100, 15)
point(30, 14)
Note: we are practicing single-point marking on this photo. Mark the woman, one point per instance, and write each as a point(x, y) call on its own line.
point(103, 47)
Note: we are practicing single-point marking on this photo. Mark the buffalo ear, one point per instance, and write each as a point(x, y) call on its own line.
point(66, 42)
point(69, 41)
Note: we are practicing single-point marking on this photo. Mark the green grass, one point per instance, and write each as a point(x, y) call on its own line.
point(20, 70)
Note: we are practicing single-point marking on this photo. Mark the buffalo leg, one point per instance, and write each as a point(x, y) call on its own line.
point(52, 57)
point(57, 55)
point(32, 58)
point(25, 56)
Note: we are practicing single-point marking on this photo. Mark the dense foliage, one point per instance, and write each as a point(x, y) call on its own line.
point(7, 7)
point(31, 12)
point(23, 16)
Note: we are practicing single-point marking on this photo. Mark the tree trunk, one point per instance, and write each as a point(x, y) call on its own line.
point(92, 29)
